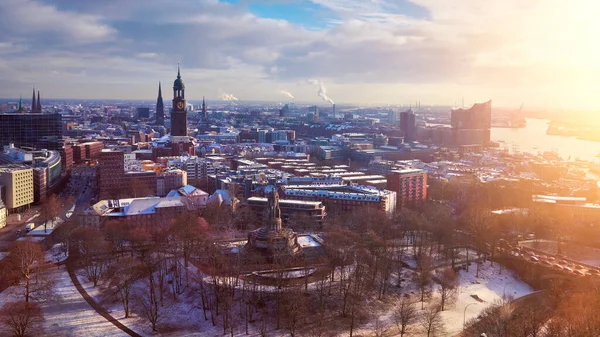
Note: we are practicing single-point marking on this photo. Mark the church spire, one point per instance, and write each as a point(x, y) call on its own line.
point(33, 106)
point(160, 108)
point(178, 73)
point(204, 114)
point(39, 105)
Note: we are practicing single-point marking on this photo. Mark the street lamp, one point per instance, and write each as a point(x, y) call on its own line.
point(465, 314)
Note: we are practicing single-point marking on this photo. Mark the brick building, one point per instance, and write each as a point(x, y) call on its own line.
point(113, 181)
point(66, 155)
point(410, 185)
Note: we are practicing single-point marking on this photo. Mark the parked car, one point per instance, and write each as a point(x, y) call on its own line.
point(29, 227)
point(534, 259)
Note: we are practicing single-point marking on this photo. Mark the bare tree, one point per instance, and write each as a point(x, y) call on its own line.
point(189, 230)
point(90, 252)
point(121, 278)
point(63, 232)
point(50, 210)
point(148, 301)
point(21, 319)
point(448, 280)
point(27, 261)
point(423, 276)
point(530, 321)
point(495, 320)
point(431, 321)
point(404, 315)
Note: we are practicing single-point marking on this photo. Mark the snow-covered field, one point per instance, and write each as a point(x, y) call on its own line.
point(69, 314)
point(490, 286)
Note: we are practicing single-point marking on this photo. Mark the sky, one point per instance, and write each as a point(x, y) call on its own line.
point(539, 52)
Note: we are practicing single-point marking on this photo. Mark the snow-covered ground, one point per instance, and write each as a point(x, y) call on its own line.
point(70, 211)
point(56, 254)
point(489, 287)
point(39, 230)
point(307, 241)
point(69, 314)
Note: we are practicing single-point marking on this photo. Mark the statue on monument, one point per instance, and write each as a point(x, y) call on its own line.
point(273, 202)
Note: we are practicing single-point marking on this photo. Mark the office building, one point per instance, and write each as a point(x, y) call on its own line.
point(143, 112)
point(18, 186)
point(204, 112)
point(47, 167)
point(39, 131)
point(344, 198)
point(408, 125)
point(114, 181)
point(330, 153)
point(170, 180)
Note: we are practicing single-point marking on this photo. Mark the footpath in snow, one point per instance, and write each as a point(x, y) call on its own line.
point(68, 315)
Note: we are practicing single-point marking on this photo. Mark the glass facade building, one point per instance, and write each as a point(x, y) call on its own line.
point(40, 131)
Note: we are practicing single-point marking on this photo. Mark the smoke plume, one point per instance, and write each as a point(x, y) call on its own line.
point(322, 91)
point(287, 93)
point(228, 97)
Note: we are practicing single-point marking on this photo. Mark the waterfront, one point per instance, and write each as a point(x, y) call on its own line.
point(534, 139)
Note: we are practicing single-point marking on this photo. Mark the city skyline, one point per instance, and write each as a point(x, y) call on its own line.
point(384, 52)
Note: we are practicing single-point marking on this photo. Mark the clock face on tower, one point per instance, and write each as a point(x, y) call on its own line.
point(180, 105)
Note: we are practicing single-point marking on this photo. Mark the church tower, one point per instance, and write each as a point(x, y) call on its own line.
point(160, 108)
point(33, 102)
point(39, 105)
point(179, 114)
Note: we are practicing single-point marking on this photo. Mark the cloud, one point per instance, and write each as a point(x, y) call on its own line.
point(39, 21)
point(441, 48)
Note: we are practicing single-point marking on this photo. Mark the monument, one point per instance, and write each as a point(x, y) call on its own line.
point(273, 238)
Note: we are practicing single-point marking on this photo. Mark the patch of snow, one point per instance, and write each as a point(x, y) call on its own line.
point(489, 287)
point(39, 230)
point(307, 241)
point(289, 273)
point(56, 253)
point(33, 217)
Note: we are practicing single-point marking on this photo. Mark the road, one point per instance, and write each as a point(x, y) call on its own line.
point(81, 186)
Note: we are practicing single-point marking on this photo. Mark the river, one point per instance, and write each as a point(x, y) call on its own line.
point(534, 139)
